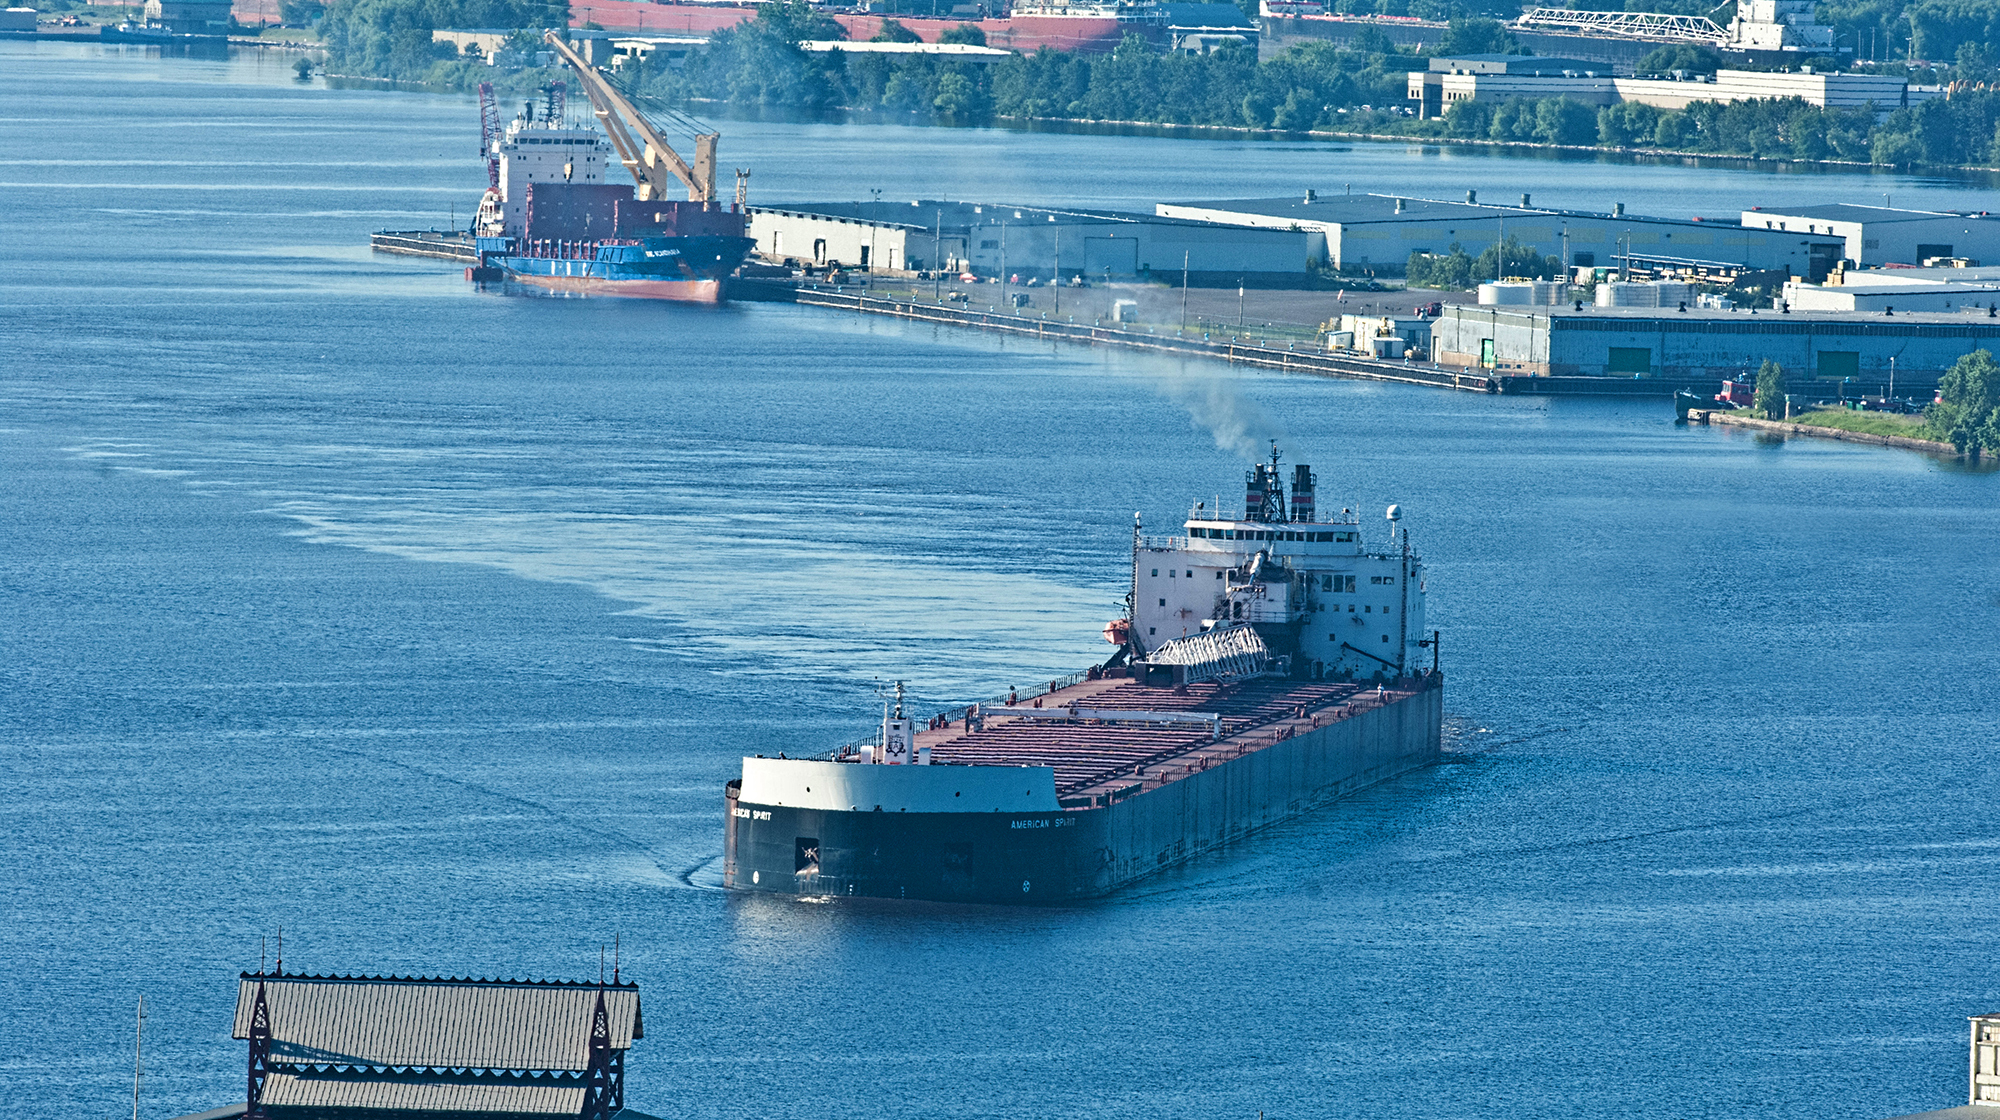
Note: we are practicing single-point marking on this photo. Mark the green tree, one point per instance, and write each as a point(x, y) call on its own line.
point(1450, 271)
point(965, 34)
point(1562, 120)
point(959, 97)
point(1520, 262)
point(892, 31)
point(1967, 413)
point(1770, 399)
point(1666, 60)
point(392, 38)
point(1476, 36)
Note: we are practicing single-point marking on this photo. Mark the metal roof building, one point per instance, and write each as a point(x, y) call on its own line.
point(991, 238)
point(1363, 230)
point(389, 1047)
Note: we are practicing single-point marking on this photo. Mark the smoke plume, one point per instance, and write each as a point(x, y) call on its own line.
point(1240, 425)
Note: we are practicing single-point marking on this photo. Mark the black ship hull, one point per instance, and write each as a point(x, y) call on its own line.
point(1042, 858)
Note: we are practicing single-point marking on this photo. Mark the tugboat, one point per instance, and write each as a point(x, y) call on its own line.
point(1268, 663)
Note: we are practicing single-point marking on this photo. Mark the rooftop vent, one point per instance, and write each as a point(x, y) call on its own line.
point(1472, 196)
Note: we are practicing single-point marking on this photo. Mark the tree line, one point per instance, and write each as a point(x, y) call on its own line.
point(1355, 88)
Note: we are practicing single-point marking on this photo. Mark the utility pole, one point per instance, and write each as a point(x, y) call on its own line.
point(937, 259)
point(1058, 271)
point(138, 1052)
point(1184, 274)
point(873, 251)
point(1239, 304)
point(1003, 261)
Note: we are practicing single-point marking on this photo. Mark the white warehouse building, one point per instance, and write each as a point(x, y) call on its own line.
point(987, 238)
point(1363, 230)
point(1873, 236)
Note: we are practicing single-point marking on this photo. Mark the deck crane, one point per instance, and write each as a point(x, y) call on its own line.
point(641, 148)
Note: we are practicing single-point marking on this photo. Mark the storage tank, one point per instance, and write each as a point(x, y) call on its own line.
point(1627, 293)
point(1673, 293)
point(1546, 293)
point(1506, 293)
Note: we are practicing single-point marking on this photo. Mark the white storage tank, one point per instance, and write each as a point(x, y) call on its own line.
point(1546, 293)
point(1627, 293)
point(1673, 293)
point(1506, 293)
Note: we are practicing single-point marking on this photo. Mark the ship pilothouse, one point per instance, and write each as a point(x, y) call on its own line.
point(1307, 587)
point(540, 145)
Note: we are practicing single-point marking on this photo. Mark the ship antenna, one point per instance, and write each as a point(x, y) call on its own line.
point(899, 699)
point(615, 939)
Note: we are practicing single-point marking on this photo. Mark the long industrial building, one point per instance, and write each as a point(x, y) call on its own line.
point(1648, 342)
point(989, 238)
point(1362, 230)
point(1871, 236)
point(1494, 78)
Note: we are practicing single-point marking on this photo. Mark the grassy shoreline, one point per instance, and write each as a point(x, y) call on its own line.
point(1869, 423)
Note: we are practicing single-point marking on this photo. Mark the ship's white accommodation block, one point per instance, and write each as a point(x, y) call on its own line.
point(1309, 587)
point(545, 152)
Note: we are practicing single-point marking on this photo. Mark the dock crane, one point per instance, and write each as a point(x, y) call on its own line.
point(641, 148)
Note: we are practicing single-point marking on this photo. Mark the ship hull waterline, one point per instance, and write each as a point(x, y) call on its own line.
point(678, 291)
point(1049, 858)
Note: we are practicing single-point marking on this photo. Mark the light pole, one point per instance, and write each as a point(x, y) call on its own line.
point(1057, 290)
point(937, 262)
point(876, 194)
point(1892, 377)
point(1184, 278)
point(1003, 261)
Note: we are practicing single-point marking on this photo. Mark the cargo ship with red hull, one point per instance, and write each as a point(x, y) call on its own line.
point(1268, 663)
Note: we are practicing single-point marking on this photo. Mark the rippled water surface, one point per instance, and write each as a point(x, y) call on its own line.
point(427, 624)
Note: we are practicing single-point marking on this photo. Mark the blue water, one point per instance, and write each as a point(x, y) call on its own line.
point(427, 624)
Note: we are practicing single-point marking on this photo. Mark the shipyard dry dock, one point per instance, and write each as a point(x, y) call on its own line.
point(1109, 780)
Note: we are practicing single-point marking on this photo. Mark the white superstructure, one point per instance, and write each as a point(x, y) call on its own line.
point(1309, 587)
point(544, 150)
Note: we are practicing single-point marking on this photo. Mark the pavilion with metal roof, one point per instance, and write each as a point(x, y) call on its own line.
point(396, 1047)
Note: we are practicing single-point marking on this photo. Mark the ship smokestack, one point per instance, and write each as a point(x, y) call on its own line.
point(1302, 492)
point(1253, 494)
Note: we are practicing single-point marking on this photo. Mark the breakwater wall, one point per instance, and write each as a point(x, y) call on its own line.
point(1240, 353)
point(1249, 353)
point(451, 246)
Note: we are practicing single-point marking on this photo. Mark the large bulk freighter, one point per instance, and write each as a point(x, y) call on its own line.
point(1268, 662)
point(550, 219)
